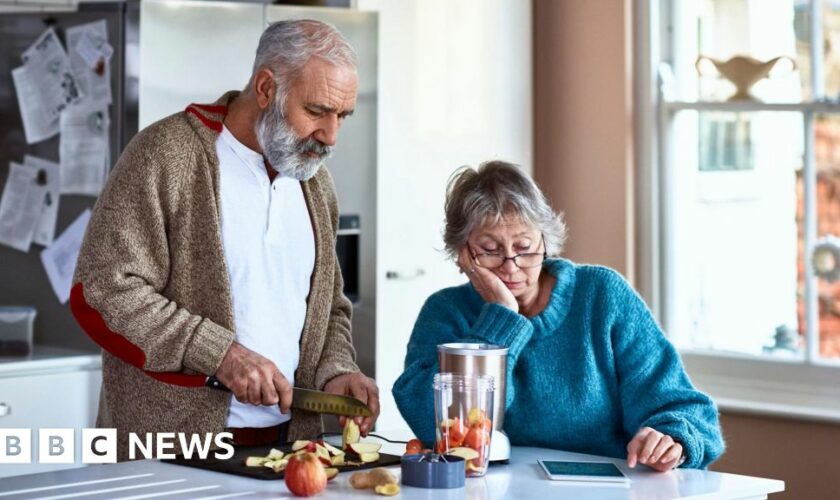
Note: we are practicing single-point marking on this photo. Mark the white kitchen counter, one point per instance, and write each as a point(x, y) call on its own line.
point(50, 359)
point(522, 478)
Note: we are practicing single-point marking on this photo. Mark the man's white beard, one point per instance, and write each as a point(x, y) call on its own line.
point(285, 151)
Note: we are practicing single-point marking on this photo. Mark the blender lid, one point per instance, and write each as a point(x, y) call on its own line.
point(472, 349)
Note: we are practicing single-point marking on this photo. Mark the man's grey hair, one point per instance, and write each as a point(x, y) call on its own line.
point(286, 46)
point(482, 197)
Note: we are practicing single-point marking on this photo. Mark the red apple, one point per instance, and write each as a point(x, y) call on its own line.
point(305, 475)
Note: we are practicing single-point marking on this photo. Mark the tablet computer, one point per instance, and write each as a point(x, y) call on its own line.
point(602, 472)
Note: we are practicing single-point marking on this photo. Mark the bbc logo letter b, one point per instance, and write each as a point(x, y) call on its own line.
point(15, 446)
point(55, 446)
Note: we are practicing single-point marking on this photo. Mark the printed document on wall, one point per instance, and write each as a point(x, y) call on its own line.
point(84, 150)
point(90, 56)
point(59, 259)
point(21, 206)
point(48, 171)
point(36, 126)
point(49, 69)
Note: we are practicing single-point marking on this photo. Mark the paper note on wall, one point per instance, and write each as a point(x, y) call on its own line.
point(21, 206)
point(36, 126)
point(90, 56)
point(59, 259)
point(84, 149)
point(50, 71)
point(45, 230)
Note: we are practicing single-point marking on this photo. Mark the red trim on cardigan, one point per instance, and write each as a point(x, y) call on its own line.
point(176, 378)
point(211, 109)
point(211, 124)
point(94, 325)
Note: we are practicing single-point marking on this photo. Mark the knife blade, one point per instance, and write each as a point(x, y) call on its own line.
point(314, 401)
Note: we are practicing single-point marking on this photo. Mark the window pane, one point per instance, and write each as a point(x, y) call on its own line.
point(722, 29)
point(732, 229)
point(831, 45)
point(802, 28)
point(827, 151)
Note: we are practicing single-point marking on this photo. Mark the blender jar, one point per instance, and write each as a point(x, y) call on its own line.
point(463, 418)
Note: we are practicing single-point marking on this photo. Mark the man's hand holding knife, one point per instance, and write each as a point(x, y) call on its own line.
point(255, 379)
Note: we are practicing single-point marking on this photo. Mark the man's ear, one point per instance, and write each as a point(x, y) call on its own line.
point(264, 87)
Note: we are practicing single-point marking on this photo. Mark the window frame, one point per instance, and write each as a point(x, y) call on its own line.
point(805, 388)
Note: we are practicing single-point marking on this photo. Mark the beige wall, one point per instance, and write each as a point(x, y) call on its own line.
point(805, 455)
point(582, 132)
point(583, 160)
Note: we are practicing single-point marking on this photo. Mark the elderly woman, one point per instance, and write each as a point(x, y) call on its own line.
point(589, 370)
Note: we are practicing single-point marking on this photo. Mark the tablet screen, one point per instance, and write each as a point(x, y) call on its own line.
point(599, 469)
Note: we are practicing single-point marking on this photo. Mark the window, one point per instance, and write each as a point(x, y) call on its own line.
point(745, 196)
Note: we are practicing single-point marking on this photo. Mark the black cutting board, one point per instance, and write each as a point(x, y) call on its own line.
point(236, 464)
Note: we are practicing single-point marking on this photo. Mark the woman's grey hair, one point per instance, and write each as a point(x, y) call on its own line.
point(286, 46)
point(497, 189)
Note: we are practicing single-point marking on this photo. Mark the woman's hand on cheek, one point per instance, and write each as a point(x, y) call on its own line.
point(489, 286)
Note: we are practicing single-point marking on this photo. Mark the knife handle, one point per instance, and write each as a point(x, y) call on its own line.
point(214, 383)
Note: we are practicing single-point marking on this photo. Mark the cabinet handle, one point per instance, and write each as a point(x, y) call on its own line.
point(394, 275)
point(5, 409)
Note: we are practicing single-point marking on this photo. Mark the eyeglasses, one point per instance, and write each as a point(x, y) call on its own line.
point(520, 260)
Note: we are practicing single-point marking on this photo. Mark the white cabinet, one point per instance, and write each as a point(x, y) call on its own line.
point(53, 389)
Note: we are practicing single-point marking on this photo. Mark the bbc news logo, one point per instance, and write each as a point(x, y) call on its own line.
point(99, 446)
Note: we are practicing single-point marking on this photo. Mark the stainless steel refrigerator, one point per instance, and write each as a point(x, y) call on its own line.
point(23, 280)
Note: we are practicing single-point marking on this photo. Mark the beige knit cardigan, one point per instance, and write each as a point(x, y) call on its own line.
point(151, 285)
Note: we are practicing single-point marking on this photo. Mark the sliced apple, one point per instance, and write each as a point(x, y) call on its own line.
point(360, 448)
point(275, 454)
point(321, 451)
point(255, 461)
point(369, 457)
point(476, 416)
point(300, 444)
point(472, 467)
point(351, 433)
point(277, 465)
point(463, 452)
point(332, 449)
point(338, 459)
point(387, 490)
point(323, 455)
point(331, 473)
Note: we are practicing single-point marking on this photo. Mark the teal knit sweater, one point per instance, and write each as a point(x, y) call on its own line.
point(584, 375)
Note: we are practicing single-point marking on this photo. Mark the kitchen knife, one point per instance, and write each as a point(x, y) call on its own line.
point(314, 401)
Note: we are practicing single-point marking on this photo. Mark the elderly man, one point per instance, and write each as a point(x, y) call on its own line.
point(211, 252)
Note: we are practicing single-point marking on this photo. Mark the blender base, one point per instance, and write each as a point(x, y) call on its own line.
point(499, 447)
